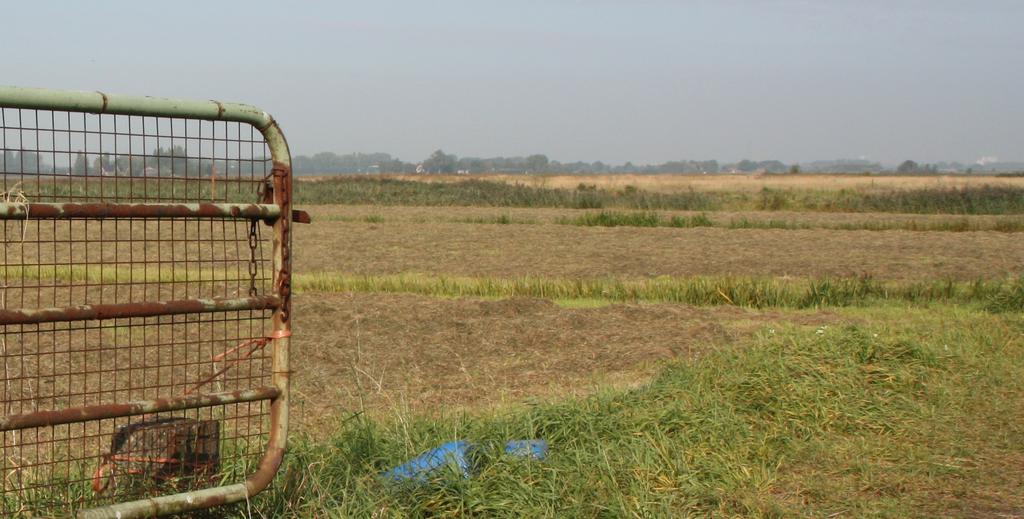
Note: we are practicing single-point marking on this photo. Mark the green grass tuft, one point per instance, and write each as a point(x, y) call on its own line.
point(616, 219)
point(1010, 298)
point(635, 219)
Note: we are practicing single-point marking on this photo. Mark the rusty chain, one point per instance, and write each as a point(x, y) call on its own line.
point(253, 243)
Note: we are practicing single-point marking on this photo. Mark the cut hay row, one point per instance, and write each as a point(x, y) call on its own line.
point(753, 292)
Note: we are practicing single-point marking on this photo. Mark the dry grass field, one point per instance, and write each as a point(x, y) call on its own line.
point(630, 252)
point(408, 353)
point(741, 183)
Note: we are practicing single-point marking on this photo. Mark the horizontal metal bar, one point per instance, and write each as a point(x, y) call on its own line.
point(17, 211)
point(146, 309)
point(103, 103)
point(159, 405)
point(172, 504)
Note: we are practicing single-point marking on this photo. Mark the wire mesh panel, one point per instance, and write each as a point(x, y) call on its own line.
point(143, 305)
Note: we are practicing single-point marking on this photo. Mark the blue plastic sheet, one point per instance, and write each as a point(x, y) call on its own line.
point(459, 455)
point(455, 454)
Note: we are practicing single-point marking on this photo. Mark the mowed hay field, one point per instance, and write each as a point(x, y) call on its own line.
point(567, 251)
point(737, 361)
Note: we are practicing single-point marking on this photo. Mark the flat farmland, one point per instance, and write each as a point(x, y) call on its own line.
point(566, 251)
point(776, 350)
point(688, 346)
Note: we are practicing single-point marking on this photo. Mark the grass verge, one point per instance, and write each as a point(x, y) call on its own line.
point(917, 413)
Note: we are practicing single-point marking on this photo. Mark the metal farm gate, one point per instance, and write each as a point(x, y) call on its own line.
point(144, 303)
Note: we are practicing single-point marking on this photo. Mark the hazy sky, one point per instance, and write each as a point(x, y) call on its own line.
point(644, 81)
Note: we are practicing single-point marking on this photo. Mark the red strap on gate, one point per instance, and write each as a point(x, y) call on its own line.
point(256, 345)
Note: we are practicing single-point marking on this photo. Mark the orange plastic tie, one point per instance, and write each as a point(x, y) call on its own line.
point(99, 481)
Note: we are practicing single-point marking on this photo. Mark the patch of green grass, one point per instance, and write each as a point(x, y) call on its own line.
point(986, 199)
point(612, 218)
point(968, 200)
point(1009, 226)
point(501, 219)
point(474, 192)
point(747, 223)
point(1009, 298)
point(635, 219)
point(912, 414)
point(615, 219)
point(650, 219)
point(41, 490)
point(1005, 295)
point(111, 274)
point(959, 225)
point(583, 303)
point(698, 290)
point(700, 220)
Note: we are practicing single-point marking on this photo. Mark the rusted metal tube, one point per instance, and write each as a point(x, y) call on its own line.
point(158, 405)
point(170, 504)
point(149, 309)
point(282, 325)
point(15, 211)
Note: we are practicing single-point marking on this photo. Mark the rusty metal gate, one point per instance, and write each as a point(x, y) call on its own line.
point(144, 303)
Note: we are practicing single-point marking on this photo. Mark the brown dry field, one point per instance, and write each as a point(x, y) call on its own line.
point(393, 354)
point(726, 182)
point(567, 251)
point(389, 354)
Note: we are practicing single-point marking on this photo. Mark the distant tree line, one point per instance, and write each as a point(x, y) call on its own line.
point(173, 161)
point(440, 162)
point(328, 162)
point(909, 166)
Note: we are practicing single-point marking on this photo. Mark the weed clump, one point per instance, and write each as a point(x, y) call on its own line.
point(636, 219)
point(1009, 298)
